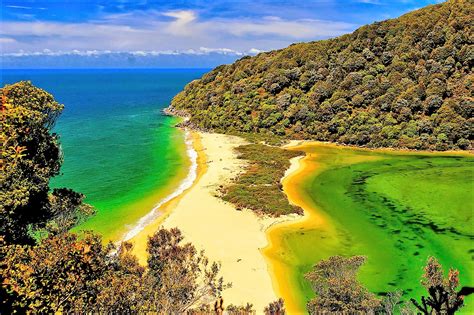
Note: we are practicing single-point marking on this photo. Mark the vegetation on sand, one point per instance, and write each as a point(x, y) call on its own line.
point(258, 188)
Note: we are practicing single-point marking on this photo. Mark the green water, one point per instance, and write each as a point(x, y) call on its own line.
point(119, 149)
point(130, 171)
point(396, 209)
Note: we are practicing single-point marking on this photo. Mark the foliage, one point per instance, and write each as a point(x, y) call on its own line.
point(443, 296)
point(240, 309)
point(218, 308)
point(404, 82)
point(180, 276)
point(337, 289)
point(59, 274)
point(66, 208)
point(275, 308)
point(122, 288)
point(258, 188)
point(30, 155)
point(64, 273)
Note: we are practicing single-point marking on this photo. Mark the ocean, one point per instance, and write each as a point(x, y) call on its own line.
point(119, 149)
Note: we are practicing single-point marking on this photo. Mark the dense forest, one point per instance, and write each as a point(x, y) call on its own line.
point(403, 83)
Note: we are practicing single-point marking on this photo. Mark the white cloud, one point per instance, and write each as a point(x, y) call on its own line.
point(255, 51)
point(136, 53)
point(170, 31)
point(19, 7)
point(181, 25)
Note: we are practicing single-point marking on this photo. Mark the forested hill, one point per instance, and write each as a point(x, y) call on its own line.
point(405, 82)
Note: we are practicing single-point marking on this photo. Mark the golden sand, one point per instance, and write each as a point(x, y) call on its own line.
point(234, 238)
point(278, 269)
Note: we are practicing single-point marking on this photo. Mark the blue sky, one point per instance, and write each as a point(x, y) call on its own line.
point(144, 28)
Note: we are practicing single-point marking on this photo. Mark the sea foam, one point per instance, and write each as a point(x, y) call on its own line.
point(185, 184)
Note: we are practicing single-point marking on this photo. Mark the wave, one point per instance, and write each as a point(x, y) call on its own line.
point(184, 185)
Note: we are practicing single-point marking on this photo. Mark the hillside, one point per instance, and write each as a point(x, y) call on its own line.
point(404, 83)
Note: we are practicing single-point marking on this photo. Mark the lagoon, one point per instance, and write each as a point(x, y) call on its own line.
point(397, 208)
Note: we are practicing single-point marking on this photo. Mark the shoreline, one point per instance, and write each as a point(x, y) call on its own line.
point(116, 216)
point(140, 240)
point(295, 143)
point(234, 238)
point(184, 185)
point(312, 218)
point(248, 245)
point(276, 267)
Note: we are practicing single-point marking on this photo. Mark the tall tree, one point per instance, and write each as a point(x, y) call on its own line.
point(31, 156)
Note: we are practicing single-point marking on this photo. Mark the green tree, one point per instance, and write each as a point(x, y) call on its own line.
point(337, 289)
point(402, 70)
point(31, 156)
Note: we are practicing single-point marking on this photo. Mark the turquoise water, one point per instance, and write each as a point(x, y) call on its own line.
point(119, 150)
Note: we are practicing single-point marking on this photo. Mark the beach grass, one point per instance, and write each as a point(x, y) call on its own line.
point(258, 188)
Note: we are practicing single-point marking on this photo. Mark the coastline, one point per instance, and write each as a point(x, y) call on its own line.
point(140, 239)
point(396, 151)
point(234, 238)
point(295, 182)
point(248, 246)
point(184, 185)
point(116, 216)
point(277, 269)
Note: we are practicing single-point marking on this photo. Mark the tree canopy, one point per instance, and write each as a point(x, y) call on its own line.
point(31, 155)
point(405, 82)
point(335, 283)
point(67, 273)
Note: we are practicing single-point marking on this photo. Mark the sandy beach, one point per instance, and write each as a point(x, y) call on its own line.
point(234, 238)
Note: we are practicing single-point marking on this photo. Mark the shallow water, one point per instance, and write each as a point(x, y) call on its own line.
point(119, 150)
point(397, 209)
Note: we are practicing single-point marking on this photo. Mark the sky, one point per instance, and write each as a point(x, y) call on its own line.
point(201, 33)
